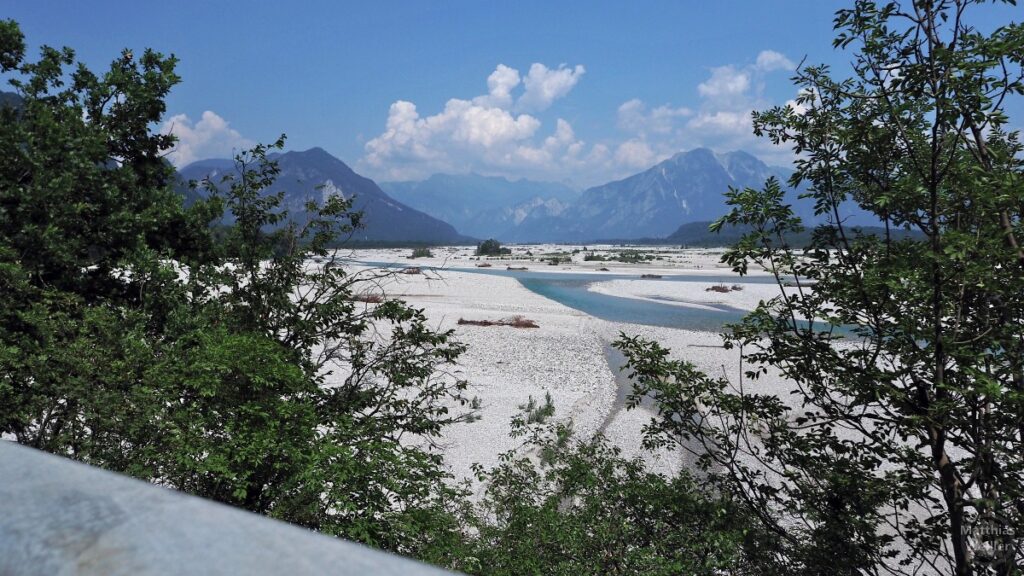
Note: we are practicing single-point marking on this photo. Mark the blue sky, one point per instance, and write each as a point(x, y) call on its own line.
point(581, 92)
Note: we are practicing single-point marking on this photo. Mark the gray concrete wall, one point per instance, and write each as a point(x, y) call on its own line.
point(62, 517)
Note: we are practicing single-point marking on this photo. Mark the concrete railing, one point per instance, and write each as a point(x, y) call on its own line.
point(62, 517)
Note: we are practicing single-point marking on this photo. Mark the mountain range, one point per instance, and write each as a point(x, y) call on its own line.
point(688, 187)
point(665, 201)
point(9, 99)
point(314, 175)
point(483, 206)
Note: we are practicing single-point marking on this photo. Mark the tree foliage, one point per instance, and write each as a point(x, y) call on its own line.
point(83, 191)
point(235, 366)
point(491, 247)
point(902, 446)
point(565, 505)
point(239, 363)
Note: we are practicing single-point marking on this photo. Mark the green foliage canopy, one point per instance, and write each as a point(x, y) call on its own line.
point(491, 247)
point(237, 367)
point(565, 505)
point(902, 445)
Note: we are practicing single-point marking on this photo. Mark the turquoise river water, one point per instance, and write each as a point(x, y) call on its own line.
point(570, 289)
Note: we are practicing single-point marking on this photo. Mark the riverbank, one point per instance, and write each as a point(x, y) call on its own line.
point(701, 295)
point(561, 258)
point(567, 356)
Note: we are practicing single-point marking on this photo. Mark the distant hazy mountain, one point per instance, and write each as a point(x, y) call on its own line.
point(482, 206)
point(9, 99)
point(688, 187)
point(698, 234)
point(386, 219)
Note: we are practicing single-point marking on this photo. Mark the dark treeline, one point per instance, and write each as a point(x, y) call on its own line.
point(701, 235)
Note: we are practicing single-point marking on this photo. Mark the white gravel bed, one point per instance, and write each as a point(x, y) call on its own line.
point(504, 365)
point(692, 294)
point(534, 257)
point(565, 356)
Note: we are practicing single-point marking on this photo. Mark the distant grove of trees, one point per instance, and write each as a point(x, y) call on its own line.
point(491, 247)
point(137, 336)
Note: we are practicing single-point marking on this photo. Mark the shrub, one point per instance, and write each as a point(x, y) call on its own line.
point(491, 248)
point(367, 297)
point(538, 414)
point(571, 505)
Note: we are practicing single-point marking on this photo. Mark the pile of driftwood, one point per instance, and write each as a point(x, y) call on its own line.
point(367, 297)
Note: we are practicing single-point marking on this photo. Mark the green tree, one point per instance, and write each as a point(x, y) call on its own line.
point(491, 248)
point(565, 505)
point(83, 193)
point(239, 369)
point(902, 447)
point(327, 395)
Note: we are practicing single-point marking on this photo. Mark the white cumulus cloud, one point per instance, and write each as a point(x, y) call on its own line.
point(801, 104)
point(634, 117)
point(635, 154)
point(491, 133)
point(506, 131)
point(721, 119)
point(723, 122)
point(210, 137)
point(500, 84)
point(545, 85)
point(728, 98)
point(725, 81)
point(770, 60)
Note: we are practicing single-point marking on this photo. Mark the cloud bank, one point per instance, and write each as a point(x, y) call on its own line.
point(210, 137)
point(721, 119)
point(493, 132)
point(511, 129)
point(514, 129)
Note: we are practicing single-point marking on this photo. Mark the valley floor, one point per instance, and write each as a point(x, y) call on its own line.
point(569, 356)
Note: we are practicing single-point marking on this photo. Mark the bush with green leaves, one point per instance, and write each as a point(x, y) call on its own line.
point(85, 195)
point(421, 253)
point(566, 505)
point(491, 248)
point(538, 413)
